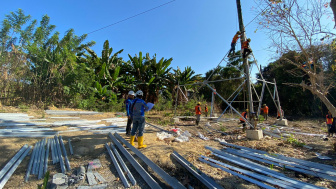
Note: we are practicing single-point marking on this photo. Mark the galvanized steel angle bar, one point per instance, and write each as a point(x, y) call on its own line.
point(40, 171)
point(52, 150)
point(116, 165)
point(14, 167)
point(246, 162)
point(12, 161)
point(192, 171)
point(238, 161)
point(279, 156)
point(250, 156)
point(60, 157)
point(46, 157)
point(173, 182)
point(67, 163)
point(37, 155)
point(237, 174)
point(30, 164)
point(293, 166)
point(212, 181)
point(70, 146)
point(143, 173)
point(123, 165)
point(269, 180)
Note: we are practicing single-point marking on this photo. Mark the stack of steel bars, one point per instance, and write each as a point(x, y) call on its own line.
point(38, 163)
point(249, 163)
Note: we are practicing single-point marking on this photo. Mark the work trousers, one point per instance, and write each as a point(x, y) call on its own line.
point(265, 115)
point(129, 125)
point(138, 125)
point(233, 48)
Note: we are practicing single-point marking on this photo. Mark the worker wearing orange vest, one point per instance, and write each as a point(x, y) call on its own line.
point(233, 43)
point(329, 121)
point(206, 110)
point(246, 50)
point(244, 114)
point(198, 113)
point(265, 111)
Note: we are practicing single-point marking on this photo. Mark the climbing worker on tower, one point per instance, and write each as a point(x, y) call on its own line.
point(198, 113)
point(233, 43)
point(246, 50)
point(329, 121)
point(265, 111)
point(128, 111)
point(206, 110)
point(244, 114)
point(139, 107)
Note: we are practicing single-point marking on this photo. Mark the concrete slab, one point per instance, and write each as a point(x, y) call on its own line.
point(282, 122)
point(254, 134)
point(59, 179)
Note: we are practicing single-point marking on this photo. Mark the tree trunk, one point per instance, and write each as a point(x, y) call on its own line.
point(322, 97)
point(333, 8)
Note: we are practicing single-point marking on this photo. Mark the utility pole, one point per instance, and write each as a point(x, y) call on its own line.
point(245, 60)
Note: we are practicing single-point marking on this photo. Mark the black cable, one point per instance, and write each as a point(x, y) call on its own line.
point(131, 17)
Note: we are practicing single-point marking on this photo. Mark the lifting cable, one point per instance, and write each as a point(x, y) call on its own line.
point(131, 17)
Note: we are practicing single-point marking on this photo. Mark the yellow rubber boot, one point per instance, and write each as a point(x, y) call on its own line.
point(132, 140)
point(140, 142)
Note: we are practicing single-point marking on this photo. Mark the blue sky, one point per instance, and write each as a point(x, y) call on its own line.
point(194, 33)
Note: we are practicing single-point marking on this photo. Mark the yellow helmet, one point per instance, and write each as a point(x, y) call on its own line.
point(199, 103)
point(248, 39)
point(247, 110)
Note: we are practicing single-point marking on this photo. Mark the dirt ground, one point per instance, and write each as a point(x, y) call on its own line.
point(91, 146)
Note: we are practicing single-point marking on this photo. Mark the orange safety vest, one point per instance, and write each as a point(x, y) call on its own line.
point(281, 112)
point(206, 109)
point(198, 110)
point(245, 45)
point(235, 38)
point(244, 114)
point(329, 119)
point(266, 109)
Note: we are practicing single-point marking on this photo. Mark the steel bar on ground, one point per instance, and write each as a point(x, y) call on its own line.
point(60, 157)
point(37, 155)
point(70, 146)
point(116, 165)
point(11, 171)
point(67, 163)
point(143, 173)
point(269, 180)
point(241, 162)
point(12, 161)
point(46, 158)
point(40, 171)
point(192, 171)
point(302, 168)
point(123, 165)
point(173, 182)
point(57, 160)
point(212, 181)
point(245, 161)
point(52, 151)
point(30, 164)
point(237, 174)
point(261, 159)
